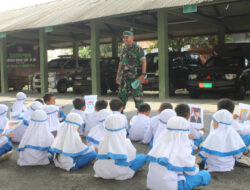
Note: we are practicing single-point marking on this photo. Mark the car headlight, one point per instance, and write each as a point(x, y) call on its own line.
point(70, 78)
point(192, 76)
point(230, 76)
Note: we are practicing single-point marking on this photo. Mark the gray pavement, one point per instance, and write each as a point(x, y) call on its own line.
point(13, 177)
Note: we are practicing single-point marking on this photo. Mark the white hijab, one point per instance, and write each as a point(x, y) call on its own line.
point(68, 141)
point(3, 117)
point(18, 107)
point(173, 149)
point(224, 140)
point(37, 135)
point(114, 144)
point(53, 119)
point(27, 114)
point(165, 115)
point(98, 131)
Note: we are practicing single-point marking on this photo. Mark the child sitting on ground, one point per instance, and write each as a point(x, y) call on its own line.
point(96, 133)
point(222, 146)
point(50, 99)
point(140, 123)
point(70, 153)
point(24, 118)
point(91, 118)
point(18, 107)
point(164, 117)
point(183, 110)
point(79, 108)
point(53, 118)
point(155, 121)
point(172, 165)
point(116, 106)
point(242, 128)
point(117, 158)
point(36, 141)
point(3, 117)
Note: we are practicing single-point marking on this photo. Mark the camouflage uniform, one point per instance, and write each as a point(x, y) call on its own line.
point(131, 69)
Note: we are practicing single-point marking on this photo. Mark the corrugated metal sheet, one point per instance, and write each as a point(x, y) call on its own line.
point(69, 11)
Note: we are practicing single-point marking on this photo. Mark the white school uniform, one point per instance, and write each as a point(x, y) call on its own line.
point(139, 124)
point(171, 156)
point(36, 141)
point(3, 117)
point(223, 145)
point(114, 145)
point(19, 131)
point(96, 133)
point(83, 116)
point(53, 118)
point(90, 122)
point(158, 124)
point(18, 107)
point(241, 128)
point(124, 118)
point(68, 143)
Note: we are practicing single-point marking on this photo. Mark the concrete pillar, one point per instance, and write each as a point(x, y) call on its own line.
point(162, 27)
point(3, 63)
point(95, 58)
point(43, 61)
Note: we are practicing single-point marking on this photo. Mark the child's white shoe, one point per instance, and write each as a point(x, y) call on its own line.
point(244, 160)
point(6, 156)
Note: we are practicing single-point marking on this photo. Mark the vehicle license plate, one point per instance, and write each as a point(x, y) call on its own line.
point(205, 85)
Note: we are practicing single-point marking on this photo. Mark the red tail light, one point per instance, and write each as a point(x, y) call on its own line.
point(208, 77)
point(62, 73)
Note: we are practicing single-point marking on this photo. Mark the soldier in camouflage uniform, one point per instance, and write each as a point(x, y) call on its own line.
point(132, 67)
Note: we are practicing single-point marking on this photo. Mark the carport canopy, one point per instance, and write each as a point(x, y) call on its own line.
point(69, 23)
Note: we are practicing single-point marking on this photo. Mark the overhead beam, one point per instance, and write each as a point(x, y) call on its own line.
point(71, 29)
point(22, 41)
point(137, 26)
point(200, 18)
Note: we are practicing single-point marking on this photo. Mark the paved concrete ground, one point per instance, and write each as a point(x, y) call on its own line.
point(13, 177)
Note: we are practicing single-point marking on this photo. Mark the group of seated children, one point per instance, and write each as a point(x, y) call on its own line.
point(172, 163)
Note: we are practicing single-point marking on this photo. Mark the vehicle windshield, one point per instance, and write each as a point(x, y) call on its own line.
point(55, 64)
point(224, 62)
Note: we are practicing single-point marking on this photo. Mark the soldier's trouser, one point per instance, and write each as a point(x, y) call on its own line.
point(125, 90)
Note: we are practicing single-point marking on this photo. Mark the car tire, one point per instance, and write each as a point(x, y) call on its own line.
point(38, 90)
point(62, 86)
point(194, 94)
point(240, 92)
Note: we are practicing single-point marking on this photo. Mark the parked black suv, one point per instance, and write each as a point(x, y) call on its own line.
point(82, 80)
point(229, 71)
point(180, 65)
